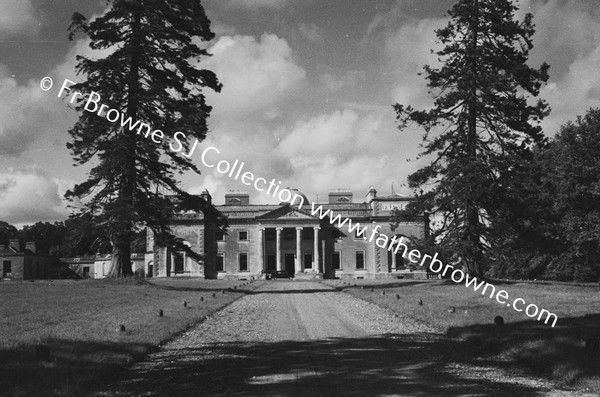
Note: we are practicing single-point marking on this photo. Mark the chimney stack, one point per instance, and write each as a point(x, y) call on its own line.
point(30, 245)
point(14, 244)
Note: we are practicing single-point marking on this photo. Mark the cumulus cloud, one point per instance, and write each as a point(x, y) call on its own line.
point(17, 18)
point(408, 49)
point(255, 75)
point(26, 113)
point(29, 196)
point(347, 149)
point(572, 48)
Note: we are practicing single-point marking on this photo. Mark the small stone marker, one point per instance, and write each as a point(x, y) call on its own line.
point(201, 299)
point(420, 302)
point(397, 296)
point(452, 309)
point(121, 328)
point(214, 295)
point(371, 289)
point(184, 304)
point(160, 313)
point(383, 293)
point(499, 321)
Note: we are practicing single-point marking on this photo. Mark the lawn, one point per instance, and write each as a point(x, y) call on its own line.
point(559, 353)
point(93, 328)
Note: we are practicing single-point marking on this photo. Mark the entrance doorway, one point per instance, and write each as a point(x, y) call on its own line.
point(290, 266)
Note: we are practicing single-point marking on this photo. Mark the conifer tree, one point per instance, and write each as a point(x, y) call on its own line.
point(483, 124)
point(151, 75)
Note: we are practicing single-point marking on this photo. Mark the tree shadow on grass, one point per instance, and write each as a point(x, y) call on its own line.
point(72, 367)
point(566, 353)
point(407, 365)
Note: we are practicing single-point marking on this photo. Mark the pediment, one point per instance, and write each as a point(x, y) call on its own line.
point(287, 212)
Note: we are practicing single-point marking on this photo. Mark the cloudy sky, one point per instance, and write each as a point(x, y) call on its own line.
point(308, 89)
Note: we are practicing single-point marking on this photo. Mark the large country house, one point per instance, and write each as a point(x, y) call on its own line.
point(263, 238)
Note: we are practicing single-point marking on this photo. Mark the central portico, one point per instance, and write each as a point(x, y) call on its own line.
point(290, 240)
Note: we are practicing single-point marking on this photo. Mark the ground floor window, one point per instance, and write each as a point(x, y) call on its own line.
point(336, 260)
point(179, 262)
point(360, 259)
point(243, 261)
point(399, 261)
point(6, 269)
point(220, 262)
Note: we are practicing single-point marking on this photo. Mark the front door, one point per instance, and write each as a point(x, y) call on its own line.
point(289, 264)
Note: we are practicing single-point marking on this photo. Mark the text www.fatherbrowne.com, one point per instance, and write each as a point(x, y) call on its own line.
point(435, 265)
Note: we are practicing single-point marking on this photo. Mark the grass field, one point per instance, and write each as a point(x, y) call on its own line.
point(558, 353)
point(79, 322)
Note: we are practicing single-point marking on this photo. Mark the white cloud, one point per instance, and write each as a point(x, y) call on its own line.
point(256, 74)
point(408, 49)
point(29, 196)
point(17, 18)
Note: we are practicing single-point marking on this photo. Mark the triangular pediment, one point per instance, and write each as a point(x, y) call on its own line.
point(288, 213)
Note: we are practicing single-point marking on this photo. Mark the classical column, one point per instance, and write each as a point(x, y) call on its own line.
point(299, 265)
point(261, 249)
point(393, 261)
point(279, 229)
point(316, 250)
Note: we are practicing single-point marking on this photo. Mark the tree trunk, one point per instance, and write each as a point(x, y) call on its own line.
point(471, 235)
point(120, 265)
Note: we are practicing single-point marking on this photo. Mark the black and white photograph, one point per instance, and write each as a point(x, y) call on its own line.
point(299, 198)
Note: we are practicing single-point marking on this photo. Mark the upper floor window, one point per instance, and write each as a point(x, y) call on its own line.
point(243, 236)
point(219, 235)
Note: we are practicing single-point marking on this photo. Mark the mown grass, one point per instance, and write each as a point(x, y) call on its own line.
point(558, 353)
point(79, 323)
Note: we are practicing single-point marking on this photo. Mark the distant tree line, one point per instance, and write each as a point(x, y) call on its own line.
point(70, 238)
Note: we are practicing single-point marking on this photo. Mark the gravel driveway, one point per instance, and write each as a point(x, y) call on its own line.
point(303, 338)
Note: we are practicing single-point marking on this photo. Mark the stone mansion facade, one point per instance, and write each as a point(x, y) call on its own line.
point(264, 238)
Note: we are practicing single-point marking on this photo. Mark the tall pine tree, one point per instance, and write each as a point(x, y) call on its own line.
point(151, 75)
point(483, 123)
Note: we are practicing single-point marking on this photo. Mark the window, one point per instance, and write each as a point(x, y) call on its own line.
point(243, 236)
point(178, 262)
point(336, 260)
point(6, 269)
point(399, 260)
point(307, 261)
point(360, 259)
point(243, 261)
point(86, 271)
point(219, 235)
point(361, 236)
point(220, 262)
